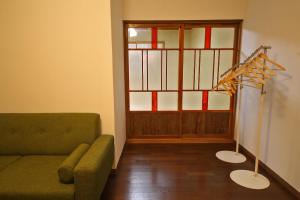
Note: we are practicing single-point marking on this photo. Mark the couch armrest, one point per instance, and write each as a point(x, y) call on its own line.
point(92, 171)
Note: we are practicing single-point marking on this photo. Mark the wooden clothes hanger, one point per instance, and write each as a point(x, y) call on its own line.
point(255, 72)
point(265, 57)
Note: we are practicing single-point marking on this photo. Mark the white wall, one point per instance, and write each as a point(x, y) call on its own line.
point(118, 74)
point(275, 23)
point(179, 10)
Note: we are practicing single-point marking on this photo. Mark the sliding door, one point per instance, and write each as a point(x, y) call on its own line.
point(170, 72)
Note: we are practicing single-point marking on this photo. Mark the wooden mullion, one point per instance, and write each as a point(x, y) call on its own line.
point(180, 74)
point(147, 69)
point(166, 69)
point(213, 73)
point(194, 75)
point(149, 49)
point(180, 77)
point(161, 68)
point(216, 49)
point(126, 76)
point(199, 70)
point(142, 70)
point(218, 72)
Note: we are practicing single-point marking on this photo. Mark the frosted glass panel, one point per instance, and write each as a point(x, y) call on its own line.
point(169, 37)
point(194, 38)
point(172, 70)
point(167, 100)
point(140, 101)
point(190, 69)
point(192, 100)
point(222, 37)
point(144, 45)
point(225, 60)
point(160, 45)
point(218, 101)
point(131, 46)
point(206, 69)
point(154, 70)
point(135, 70)
point(139, 35)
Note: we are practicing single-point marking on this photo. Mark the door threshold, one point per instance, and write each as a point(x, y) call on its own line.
point(178, 140)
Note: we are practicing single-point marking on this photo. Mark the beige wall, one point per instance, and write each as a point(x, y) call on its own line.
point(183, 10)
point(56, 56)
point(275, 23)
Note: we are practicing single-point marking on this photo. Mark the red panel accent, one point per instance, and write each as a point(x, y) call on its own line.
point(207, 37)
point(154, 38)
point(204, 100)
point(154, 101)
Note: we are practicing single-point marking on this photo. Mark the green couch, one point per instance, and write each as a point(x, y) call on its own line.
point(33, 146)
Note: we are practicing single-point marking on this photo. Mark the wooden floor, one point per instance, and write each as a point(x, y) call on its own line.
point(181, 172)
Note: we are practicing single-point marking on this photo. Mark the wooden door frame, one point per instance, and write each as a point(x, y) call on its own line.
point(236, 23)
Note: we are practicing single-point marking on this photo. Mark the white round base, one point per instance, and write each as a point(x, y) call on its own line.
point(248, 179)
point(230, 156)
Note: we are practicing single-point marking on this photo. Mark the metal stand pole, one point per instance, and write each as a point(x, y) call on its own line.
point(238, 120)
point(259, 129)
point(234, 156)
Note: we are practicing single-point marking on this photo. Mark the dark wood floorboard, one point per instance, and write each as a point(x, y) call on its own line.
point(181, 172)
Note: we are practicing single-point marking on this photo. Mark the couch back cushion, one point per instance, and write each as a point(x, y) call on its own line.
point(46, 133)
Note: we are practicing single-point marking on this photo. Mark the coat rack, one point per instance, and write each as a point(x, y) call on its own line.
point(253, 72)
point(231, 80)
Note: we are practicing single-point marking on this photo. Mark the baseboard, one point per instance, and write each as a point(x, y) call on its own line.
point(114, 171)
point(271, 173)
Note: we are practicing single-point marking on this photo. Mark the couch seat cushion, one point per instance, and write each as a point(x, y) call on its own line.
point(6, 160)
point(32, 178)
